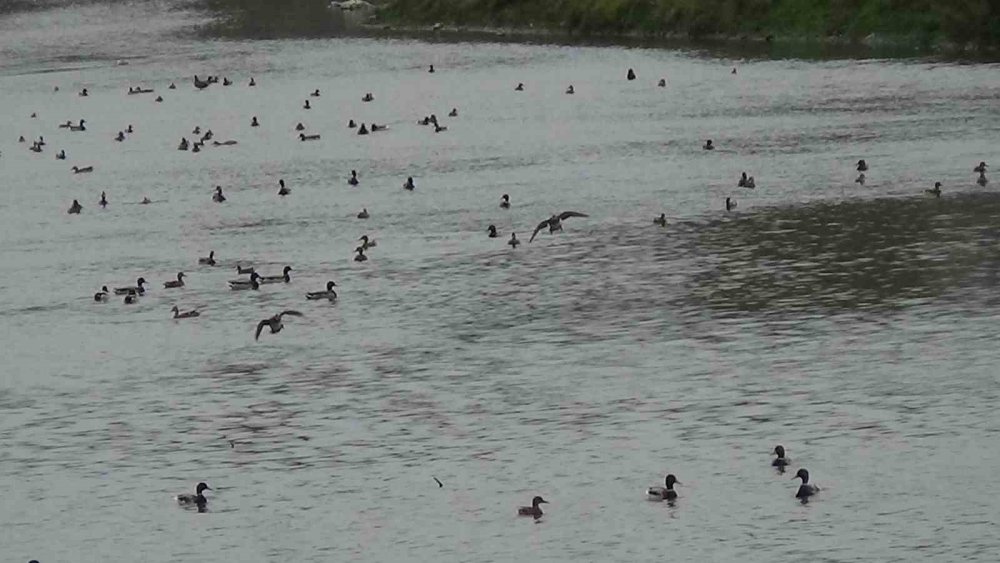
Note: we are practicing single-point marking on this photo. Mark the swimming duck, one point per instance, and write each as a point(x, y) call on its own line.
point(742, 183)
point(84, 93)
point(81, 127)
point(242, 270)
point(130, 297)
point(936, 192)
point(981, 168)
point(104, 201)
point(368, 97)
point(184, 315)
point(20, 139)
point(781, 461)
point(806, 490)
point(61, 155)
point(519, 87)
point(274, 323)
point(196, 130)
point(570, 90)
point(328, 294)
point(145, 201)
point(35, 147)
point(201, 84)
point(733, 71)
point(982, 181)
point(505, 201)
point(534, 510)
point(630, 75)
point(362, 130)
point(363, 214)
point(207, 136)
point(513, 242)
point(102, 295)
point(554, 223)
point(183, 146)
point(662, 83)
point(158, 99)
point(75, 208)
point(254, 122)
point(353, 180)
point(360, 257)
point(492, 229)
point(172, 86)
point(251, 283)
point(283, 278)
point(300, 127)
point(351, 124)
point(227, 82)
point(210, 260)
point(730, 204)
point(751, 184)
point(453, 112)
point(120, 137)
point(34, 115)
point(315, 93)
point(283, 191)
point(431, 69)
point(708, 145)
point(439, 128)
point(197, 499)
point(367, 243)
point(661, 220)
point(664, 493)
point(84, 170)
point(252, 82)
point(137, 288)
point(129, 129)
point(179, 282)
point(307, 106)
point(217, 197)
point(862, 166)
point(860, 179)
point(196, 147)
point(377, 127)
point(408, 184)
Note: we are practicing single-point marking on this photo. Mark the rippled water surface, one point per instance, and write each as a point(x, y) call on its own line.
point(855, 325)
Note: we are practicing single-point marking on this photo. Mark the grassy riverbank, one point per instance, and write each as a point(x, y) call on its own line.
point(972, 23)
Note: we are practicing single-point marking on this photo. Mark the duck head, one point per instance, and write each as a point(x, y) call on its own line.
point(287, 269)
point(802, 474)
point(670, 481)
point(538, 500)
point(140, 281)
point(330, 285)
point(201, 486)
point(779, 451)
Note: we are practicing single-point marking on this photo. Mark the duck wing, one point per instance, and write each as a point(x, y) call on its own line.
point(540, 226)
point(290, 313)
point(567, 214)
point(260, 327)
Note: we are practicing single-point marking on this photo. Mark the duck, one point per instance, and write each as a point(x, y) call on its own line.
point(982, 181)
point(300, 127)
point(179, 282)
point(252, 82)
point(242, 270)
point(137, 288)
point(780, 461)
point(304, 137)
point(570, 90)
point(217, 197)
point(751, 183)
point(210, 260)
point(226, 81)
point(662, 83)
point(505, 201)
point(363, 214)
point(146, 201)
point(936, 192)
point(708, 145)
point(252, 283)
point(84, 93)
point(328, 294)
point(360, 256)
point(172, 86)
point(353, 180)
point(283, 278)
point(368, 97)
point(513, 242)
point(104, 201)
point(315, 93)
point(82, 170)
point(431, 69)
point(730, 204)
point(75, 208)
point(61, 155)
point(129, 129)
point(120, 137)
point(183, 146)
point(367, 243)
point(453, 112)
point(554, 223)
point(408, 184)
point(742, 183)
point(201, 84)
point(862, 166)
point(207, 136)
point(806, 489)
point(283, 191)
point(35, 147)
point(377, 127)
point(351, 124)
point(196, 130)
point(197, 499)
point(492, 230)
point(274, 323)
point(362, 130)
point(630, 75)
point(661, 220)
point(306, 105)
point(860, 179)
point(69, 124)
point(196, 147)
point(534, 510)
point(439, 128)
point(664, 493)
point(102, 295)
point(981, 168)
point(519, 87)
point(130, 297)
point(178, 314)
point(254, 122)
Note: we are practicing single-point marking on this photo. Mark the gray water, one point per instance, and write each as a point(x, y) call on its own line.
point(855, 325)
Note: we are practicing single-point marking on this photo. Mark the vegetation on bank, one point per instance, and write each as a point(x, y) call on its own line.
point(923, 22)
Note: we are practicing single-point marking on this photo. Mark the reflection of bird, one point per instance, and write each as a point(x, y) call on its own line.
point(554, 223)
point(274, 323)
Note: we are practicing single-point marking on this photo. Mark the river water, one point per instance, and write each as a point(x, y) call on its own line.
point(853, 324)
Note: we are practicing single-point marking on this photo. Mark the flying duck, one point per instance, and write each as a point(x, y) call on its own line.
point(505, 201)
point(936, 192)
point(75, 208)
point(179, 282)
point(492, 229)
point(102, 295)
point(664, 493)
point(84, 170)
point(217, 197)
point(806, 489)
point(283, 191)
point(364, 214)
point(730, 204)
point(661, 220)
point(554, 223)
point(210, 260)
point(353, 180)
point(137, 288)
point(534, 510)
point(237, 285)
point(274, 323)
point(513, 242)
point(862, 166)
point(780, 461)
point(197, 499)
point(184, 315)
point(408, 184)
point(283, 278)
point(328, 294)
point(367, 243)
point(360, 256)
